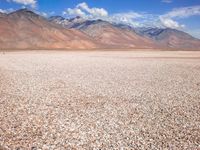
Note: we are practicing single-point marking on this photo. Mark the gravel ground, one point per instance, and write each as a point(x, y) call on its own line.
point(99, 100)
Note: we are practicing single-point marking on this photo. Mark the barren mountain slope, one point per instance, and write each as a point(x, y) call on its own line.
point(107, 33)
point(113, 36)
point(171, 38)
point(24, 29)
point(122, 35)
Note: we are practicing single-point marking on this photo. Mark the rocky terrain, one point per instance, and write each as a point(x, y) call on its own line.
point(99, 100)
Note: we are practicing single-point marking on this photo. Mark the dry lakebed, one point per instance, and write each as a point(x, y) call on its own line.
point(60, 100)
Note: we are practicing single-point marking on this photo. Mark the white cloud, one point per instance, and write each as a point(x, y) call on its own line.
point(31, 3)
point(141, 19)
point(168, 19)
point(184, 12)
point(92, 11)
point(169, 23)
point(132, 18)
point(84, 10)
point(6, 10)
point(3, 11)
point(126, 17)
point(42, 13)
point(75, 12)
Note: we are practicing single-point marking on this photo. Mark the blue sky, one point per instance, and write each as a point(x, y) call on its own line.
point(180, 14)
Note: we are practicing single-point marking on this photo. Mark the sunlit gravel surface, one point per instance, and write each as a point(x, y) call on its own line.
point(99, 100)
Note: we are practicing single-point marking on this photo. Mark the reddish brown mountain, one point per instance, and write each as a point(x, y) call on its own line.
point(171, 38)
point(24, 29)
point(115, 37)
point(123, 36)
point(109, 35)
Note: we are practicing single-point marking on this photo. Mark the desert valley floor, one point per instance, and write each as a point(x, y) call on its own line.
point(99, 100)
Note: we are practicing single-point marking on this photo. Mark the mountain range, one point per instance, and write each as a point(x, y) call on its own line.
point(24, 29)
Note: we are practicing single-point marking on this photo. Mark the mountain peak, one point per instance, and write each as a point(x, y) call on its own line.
point(24, 12)
point(2, 14)
point(58, 18)
point(75, 19)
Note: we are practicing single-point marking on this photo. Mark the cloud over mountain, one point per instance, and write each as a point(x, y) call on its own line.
point(6, 10)
point(168, 19)
point(84, 10)
point(31, 3)
point(136, 19)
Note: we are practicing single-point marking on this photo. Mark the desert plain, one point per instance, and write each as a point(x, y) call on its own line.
point(99, 100)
